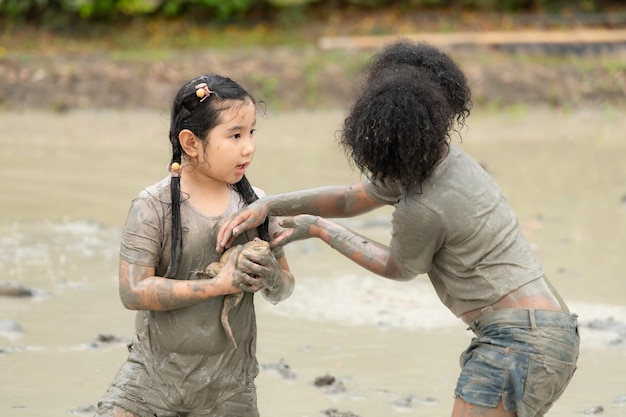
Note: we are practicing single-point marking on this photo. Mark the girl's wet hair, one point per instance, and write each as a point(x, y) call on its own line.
point(398, 129)
point(200, 115)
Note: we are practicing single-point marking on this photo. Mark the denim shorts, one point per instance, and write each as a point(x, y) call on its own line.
point(526, 358)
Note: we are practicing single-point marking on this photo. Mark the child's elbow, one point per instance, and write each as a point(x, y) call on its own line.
point(129, 300)
point(405, 276)
point(398, 271)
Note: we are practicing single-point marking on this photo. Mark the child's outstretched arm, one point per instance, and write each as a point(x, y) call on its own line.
point(369, 254)
point(332, 201)
point(140, 289)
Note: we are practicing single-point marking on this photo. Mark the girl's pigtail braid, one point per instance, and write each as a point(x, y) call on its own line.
point(245, 190)
point(177, 238)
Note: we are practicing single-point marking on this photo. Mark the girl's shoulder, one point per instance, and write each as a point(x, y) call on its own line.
point(237, 201)
point(154, 198)
point(158, 190)
point(259, 192)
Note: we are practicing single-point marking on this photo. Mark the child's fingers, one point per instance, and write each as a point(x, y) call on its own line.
point(250, 283)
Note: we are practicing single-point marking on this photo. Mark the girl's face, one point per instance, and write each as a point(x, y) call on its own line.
point(230, 145)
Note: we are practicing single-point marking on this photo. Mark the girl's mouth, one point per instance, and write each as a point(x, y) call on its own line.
point(241, 169)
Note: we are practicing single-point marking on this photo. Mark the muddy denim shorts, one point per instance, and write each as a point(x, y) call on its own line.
point(526, 358)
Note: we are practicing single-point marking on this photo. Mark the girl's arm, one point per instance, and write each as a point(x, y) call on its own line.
point(371, 255)
point(140, 289)
point(332, 201)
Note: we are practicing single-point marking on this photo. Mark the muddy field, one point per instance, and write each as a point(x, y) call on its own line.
point(82, 133)
point(391, 347)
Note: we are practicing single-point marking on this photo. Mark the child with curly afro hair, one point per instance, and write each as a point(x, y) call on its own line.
point(450, 221)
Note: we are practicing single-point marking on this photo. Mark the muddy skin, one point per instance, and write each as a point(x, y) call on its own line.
point(230, 301)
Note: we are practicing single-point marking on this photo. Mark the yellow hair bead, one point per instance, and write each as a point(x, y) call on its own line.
point(202, 91)
point(175, 167)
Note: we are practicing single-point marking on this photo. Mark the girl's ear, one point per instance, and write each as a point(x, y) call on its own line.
point(189, 142)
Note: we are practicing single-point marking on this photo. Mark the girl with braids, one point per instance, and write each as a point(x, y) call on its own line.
point(181, 362)
point(450, 221)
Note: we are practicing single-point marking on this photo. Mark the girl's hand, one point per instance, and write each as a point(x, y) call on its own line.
point(261, 270)
point(303, 226)
point(232, 278)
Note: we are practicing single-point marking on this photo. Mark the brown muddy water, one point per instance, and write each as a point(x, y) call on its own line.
point(67, 181)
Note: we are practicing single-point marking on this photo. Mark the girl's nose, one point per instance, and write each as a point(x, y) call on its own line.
point(249, 145)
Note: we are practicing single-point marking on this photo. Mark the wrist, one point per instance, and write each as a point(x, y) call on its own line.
point(275, 283)
point(317, 226)
point(282, 290)
point(272, 291)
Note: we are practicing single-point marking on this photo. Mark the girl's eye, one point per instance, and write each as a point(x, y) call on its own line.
point(237, 136)
point(252, 132)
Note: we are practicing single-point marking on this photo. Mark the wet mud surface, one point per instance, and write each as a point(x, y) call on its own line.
point(346, 343)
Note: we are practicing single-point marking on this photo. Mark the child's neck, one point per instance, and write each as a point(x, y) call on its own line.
point(205, 194)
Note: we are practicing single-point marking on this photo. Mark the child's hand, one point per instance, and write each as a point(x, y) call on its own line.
point(261, 269)
point(229, 276)
point(296, 228)
point(245, 219)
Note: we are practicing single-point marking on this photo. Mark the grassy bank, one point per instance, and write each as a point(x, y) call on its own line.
point(141, 63)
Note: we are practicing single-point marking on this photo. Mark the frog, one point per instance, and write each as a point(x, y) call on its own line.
point(255, 246)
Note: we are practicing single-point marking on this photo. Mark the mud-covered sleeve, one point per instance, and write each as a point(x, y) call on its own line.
point(382, 192)
point(142, 237)
point(417, 235)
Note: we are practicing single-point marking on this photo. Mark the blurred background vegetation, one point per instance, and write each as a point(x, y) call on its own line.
point(51, 12)
point(66, 54)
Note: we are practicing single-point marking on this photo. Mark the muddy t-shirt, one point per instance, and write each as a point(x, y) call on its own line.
point(462, 232)
point(186, 351)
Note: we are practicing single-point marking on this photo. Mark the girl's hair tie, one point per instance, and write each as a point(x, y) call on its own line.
point(174, 168)
point(202, 91)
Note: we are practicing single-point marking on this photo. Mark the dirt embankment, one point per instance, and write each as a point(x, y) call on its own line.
point(290, 77)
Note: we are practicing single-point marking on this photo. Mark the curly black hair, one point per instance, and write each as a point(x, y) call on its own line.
point(398, 129)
